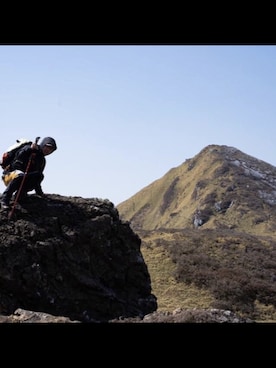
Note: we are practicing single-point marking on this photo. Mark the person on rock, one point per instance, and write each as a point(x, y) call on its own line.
point(25, 173)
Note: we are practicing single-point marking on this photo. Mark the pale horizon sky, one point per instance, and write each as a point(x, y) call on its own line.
point(124, 115)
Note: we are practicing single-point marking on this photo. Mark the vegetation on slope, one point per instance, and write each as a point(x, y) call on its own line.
point(210, 269)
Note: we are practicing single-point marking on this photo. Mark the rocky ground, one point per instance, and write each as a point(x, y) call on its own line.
point(177, 316)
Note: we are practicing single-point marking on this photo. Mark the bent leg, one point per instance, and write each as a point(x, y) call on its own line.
point(32, 180)
point(13, 186)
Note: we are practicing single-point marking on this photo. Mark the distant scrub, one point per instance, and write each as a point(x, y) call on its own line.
point(238, 273)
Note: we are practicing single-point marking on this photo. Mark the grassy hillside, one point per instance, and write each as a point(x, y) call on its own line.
point(170, 293)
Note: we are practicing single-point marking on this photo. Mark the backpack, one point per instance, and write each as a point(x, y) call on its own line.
point(9, 155)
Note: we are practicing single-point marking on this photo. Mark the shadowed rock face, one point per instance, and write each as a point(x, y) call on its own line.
point(72, 257)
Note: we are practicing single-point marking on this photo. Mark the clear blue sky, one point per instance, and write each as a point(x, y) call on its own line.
point(124, 115)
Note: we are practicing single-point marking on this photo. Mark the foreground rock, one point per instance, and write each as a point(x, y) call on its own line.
point(177, 316)
point(25, 316)
point(71, 257)
point(189, 316)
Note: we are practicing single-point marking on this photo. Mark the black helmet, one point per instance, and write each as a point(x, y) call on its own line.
point(48, 141)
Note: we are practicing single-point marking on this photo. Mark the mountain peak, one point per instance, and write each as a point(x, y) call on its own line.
point(219, 188)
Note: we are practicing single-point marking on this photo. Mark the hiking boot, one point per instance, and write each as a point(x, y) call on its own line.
point(4, 205)
point(5, 200)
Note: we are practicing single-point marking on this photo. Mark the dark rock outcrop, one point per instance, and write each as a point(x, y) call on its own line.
point(72, 257)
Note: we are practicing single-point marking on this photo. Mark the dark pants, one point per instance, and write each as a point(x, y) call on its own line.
point(32, 181)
